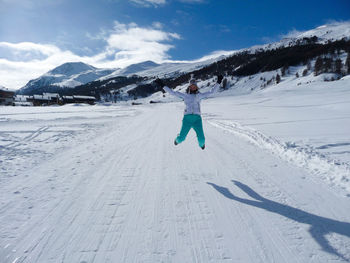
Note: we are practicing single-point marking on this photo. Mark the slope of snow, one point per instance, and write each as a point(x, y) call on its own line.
point(328, 32)
point(168, 69)
point(96, 184)
point(332, 31)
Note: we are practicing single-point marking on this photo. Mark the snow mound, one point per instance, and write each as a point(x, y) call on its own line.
point(330, 170)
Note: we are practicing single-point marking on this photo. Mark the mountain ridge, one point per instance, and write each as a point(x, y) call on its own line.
point(67, 75)
point(64, 77)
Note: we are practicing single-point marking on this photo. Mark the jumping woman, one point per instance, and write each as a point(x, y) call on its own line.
point(192, 115)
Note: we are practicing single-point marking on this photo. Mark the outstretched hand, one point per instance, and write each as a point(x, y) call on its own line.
point(220, 77)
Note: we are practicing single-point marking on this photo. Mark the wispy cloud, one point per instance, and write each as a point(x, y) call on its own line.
point(148, 3)
point(156, 3)
point(192, 1)
point(292, 33)
point(124, 44)
point(212, 55)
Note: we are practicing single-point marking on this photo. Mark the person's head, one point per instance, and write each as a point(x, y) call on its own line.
point(192, 88)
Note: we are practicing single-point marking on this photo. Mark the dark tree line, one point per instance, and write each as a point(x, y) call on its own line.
point(330, 65)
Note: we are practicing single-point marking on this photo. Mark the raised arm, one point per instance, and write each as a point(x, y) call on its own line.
point(161, 84)
point(174, 93)
point(213, 90)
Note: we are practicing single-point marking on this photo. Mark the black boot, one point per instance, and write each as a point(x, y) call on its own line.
point(203, 147)
point(175, 142)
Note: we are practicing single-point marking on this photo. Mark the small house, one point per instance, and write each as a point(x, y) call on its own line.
point(6, 96)
point(45, 99)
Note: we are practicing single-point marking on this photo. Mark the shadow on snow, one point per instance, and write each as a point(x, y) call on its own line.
point(319, 226)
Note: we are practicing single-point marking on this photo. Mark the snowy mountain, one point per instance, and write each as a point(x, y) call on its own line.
point(67, 75)
point(132, 69)
point(294, 49)
point(321, 34)
point(167, 69)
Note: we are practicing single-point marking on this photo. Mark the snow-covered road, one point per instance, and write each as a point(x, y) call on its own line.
point(110, 186)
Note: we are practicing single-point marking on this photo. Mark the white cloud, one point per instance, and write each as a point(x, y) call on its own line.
point(291, 34)
point(14, 73)
point(212, 55)
point(192, 1)
point(125, 44)
point(155, 3)
point(129, 44)
point(148, 3)
point(157, 25)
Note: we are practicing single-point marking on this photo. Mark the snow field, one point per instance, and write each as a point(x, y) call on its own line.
point(118, 190)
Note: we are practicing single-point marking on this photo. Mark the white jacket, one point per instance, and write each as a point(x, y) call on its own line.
point(192, 101)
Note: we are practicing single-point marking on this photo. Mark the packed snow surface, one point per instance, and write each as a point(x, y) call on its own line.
point(106, 183)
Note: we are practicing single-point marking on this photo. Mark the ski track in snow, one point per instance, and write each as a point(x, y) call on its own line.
point(112, 187)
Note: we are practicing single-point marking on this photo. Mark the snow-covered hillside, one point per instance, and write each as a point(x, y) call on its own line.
point(67, 75)
point(168, 69)
point(328, 32)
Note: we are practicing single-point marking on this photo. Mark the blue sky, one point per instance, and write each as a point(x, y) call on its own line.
point(37, 35)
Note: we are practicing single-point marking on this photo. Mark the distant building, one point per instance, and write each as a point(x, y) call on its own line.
point(84, 99)
point(45, 99)
point(78, 99)
point(51, 99)
point(6, 96)
point(67, 99)
point(22, 100)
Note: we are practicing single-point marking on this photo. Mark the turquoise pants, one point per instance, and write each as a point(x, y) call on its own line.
point(191, 121)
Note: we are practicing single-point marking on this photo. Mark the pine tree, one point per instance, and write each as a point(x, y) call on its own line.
point(347, 63)
point(283, 71)
point(318, 66)
point(305, 71)
point(278, 78)
point(297, 75)
point(224, 83)
point(338, 66)
point(327, 65)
